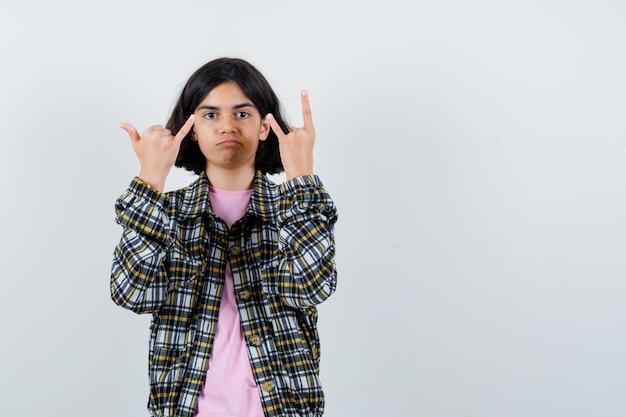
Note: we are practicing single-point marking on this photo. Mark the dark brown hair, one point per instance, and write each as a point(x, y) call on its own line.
point(253, 84)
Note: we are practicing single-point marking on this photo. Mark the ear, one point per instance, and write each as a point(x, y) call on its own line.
point(265, 129)
point(192, 133)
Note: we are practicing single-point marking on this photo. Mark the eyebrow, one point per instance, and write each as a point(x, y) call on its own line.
point(235, 107)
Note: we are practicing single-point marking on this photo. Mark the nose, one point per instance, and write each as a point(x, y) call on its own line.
point(227, 125)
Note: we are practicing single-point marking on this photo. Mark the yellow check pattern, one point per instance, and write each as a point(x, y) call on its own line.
point(171, 263)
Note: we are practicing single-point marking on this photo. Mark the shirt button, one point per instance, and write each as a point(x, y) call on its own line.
point(268, 386)
point(245, 295)
point(235, 250)
point(255, 340)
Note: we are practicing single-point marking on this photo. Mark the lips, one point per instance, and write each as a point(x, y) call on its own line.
point(229, 142)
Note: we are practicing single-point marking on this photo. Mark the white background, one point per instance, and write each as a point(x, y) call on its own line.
point(476, 152)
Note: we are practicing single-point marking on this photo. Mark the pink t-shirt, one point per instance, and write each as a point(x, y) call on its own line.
point(230, 389)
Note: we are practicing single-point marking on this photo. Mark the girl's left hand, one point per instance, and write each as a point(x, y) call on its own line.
point(296, 147)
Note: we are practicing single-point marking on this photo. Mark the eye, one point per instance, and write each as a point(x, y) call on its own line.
point(210, 115)
point(242, 114)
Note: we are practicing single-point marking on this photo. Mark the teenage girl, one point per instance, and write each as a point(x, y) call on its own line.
point(232, 266)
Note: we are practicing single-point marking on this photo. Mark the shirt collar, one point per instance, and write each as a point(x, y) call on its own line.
point(195, 200)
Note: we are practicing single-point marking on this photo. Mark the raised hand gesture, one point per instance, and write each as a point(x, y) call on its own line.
point(157, 150)
point(296, 147)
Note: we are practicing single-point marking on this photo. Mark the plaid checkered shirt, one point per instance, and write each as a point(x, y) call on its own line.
point(171, 262)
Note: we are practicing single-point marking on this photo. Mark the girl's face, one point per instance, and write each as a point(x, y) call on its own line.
point(228, 128)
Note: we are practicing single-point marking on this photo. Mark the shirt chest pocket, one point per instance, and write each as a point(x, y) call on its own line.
point(173, 327)
point(269, 278)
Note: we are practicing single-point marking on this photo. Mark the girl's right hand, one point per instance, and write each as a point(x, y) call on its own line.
point(157, 150)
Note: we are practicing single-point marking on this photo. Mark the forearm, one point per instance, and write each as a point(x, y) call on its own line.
point(138, 278)
point(307, 270)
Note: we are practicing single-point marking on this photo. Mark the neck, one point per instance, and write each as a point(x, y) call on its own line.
point(232, 180)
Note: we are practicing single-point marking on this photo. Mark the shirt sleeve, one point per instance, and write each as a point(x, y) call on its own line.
point(307, 215)
point(139, 280)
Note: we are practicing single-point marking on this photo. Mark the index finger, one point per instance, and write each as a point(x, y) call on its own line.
point(275, 126)
point(306, 110)
point(182, 132)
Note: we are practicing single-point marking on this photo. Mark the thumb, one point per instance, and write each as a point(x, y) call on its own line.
point(132, 132)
